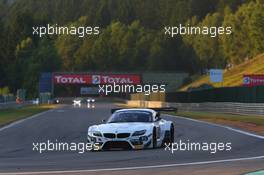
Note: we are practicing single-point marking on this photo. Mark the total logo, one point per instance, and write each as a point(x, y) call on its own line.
point(69, 80)
point(104, 79)
point(246, 80)
point(96, 79)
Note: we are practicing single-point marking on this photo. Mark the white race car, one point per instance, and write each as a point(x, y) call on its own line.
point(90, 100)
point(132, 129)
point(77, 101)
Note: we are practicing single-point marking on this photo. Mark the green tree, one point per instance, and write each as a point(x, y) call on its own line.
point(121, 47)
point(3, 60)
point(67, 45)
point(246, 40)
point(256, 30)
point(207, 48)
point(42, 59)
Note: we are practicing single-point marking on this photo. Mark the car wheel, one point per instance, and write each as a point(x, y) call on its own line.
point(154, 139)
point(171, 134)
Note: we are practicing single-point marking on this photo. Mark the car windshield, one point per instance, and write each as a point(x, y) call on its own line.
point(131, 116)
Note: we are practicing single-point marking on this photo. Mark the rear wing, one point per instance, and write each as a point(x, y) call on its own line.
point(165, 109)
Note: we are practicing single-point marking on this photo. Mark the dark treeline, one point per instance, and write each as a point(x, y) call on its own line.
point(131, 36)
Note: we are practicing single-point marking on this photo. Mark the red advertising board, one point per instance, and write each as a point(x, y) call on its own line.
point(116, 78)
point(96, 79)
point(71, 79)
point(253, 80)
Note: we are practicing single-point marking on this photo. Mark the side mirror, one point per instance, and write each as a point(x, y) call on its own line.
point(158, 117)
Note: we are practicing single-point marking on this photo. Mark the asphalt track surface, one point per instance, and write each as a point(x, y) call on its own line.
point(69, 124)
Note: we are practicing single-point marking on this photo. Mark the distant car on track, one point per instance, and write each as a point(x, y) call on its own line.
point(90, 100)
point(132, 129)
point(77, 101)
point(56, 101)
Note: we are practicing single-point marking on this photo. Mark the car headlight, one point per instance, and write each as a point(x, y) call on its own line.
point(94, 134)
point(97, 134)
point(138, 133)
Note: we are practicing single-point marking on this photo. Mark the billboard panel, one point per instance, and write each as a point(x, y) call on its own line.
point(45, 82)
point(253, 80)
point(95, 79)
point(116, 78)
point(216, 75)
point(71, 79)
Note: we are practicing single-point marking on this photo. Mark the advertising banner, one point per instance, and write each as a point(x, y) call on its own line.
point(253, 80)
point(116, 78)
point(71, 79)
point(216, 75)
point(95, 79)
point(45, 82)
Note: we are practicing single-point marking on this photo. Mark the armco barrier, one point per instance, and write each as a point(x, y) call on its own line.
point(14, 104)
point(225, 94)
point(218, 107)
point(222, 107)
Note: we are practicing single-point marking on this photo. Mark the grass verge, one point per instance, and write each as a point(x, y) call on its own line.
point(10, 115)
point(244, 122)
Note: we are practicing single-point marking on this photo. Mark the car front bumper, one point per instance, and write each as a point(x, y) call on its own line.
point(133, 142)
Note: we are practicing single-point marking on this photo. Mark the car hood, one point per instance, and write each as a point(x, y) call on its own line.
point(123, 127)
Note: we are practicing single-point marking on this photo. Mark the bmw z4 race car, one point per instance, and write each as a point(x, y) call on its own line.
point(132, 129)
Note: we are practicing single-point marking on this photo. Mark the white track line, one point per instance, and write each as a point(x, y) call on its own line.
point(23, 120)
point(136, 167)
point(222, 126)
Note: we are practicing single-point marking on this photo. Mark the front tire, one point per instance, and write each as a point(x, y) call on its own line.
point(169, 136)
point(154, 139)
